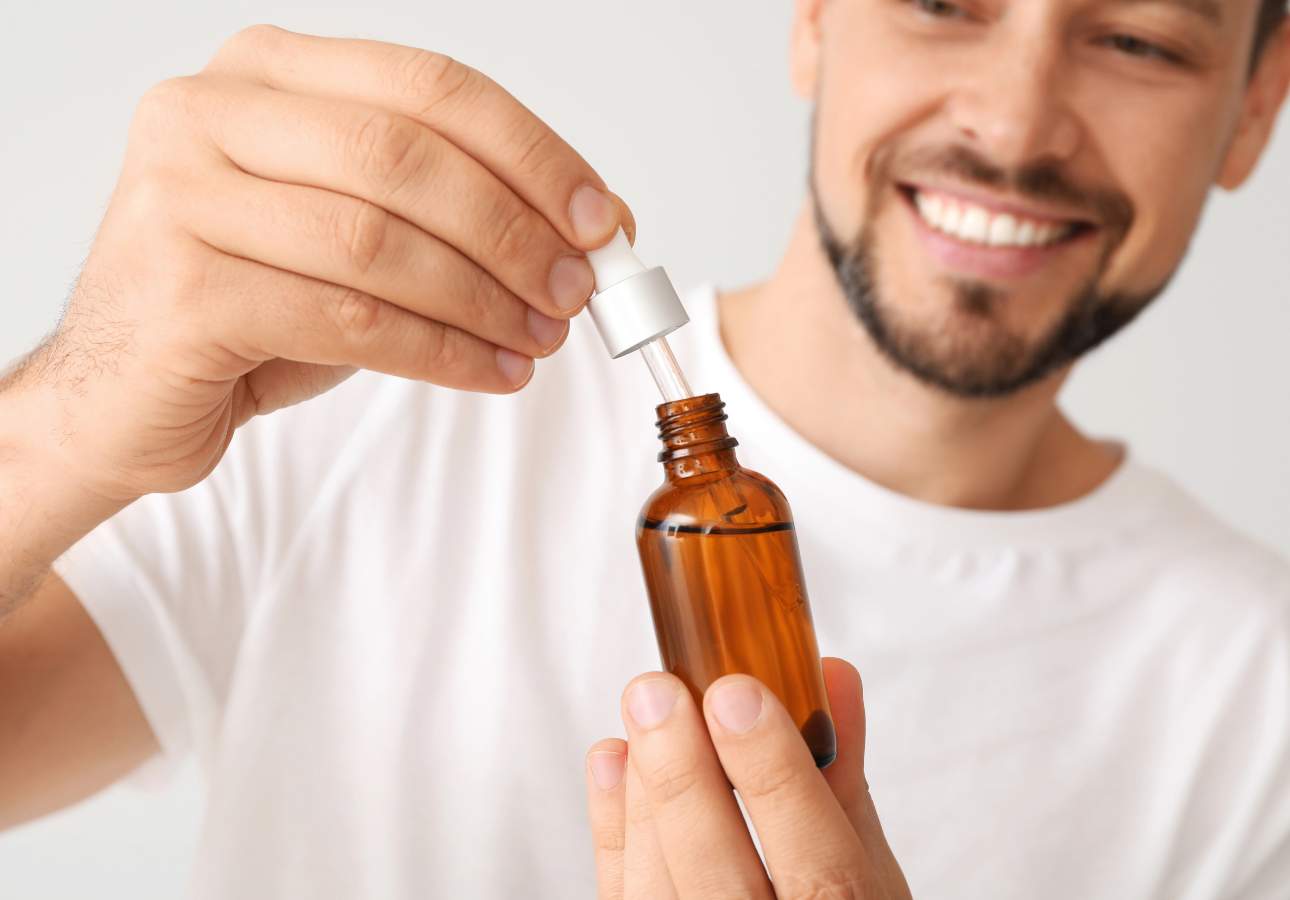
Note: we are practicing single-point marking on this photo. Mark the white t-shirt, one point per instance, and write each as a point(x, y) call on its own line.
point(394, 618)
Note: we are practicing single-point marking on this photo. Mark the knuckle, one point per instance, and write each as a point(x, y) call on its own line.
point(535, 145)
point(443, 350)
point(164, 120)
point(823, 884)
point(361, 230)
point(767, 778)
point(512, 230)
point(435, 79)
point(670, 780)
point(609, 838)
point(477, 306)
point(252, 38)
point(639, 813)
point(247, 51)
point(355, 314)
point(164, 99)
point(390, 149)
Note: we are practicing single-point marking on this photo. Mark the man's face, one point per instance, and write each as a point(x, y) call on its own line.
point(1001, 184)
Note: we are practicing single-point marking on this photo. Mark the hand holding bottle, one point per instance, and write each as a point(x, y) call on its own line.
point(666, 824)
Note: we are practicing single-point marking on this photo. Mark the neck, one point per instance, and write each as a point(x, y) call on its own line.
point(795, 340)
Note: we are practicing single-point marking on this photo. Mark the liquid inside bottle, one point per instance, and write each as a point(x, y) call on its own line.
point(719, 555)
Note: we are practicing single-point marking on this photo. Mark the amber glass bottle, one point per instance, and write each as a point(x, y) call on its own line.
point(722, 570)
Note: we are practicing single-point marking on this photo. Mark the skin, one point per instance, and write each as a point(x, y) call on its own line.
point(1021, 82)
point(1017, 83)
point(214, 293)
point(666, 823)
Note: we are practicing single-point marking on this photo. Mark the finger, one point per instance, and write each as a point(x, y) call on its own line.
point(627, 217)
point(349, 242)
point(645, 874)
point(403, 166)
point(810, 847)
point(272, 313)
point(607, 809)
point(700, 829)
point(846, 775)
point(458, 102)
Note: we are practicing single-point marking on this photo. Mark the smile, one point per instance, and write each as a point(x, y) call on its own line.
point(983, 239)
point(982, 226)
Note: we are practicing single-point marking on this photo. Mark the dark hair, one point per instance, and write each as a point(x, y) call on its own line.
point(1271, 14)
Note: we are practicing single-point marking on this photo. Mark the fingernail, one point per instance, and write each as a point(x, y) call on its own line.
point(606, 769)
point(737, 705)
point(651, 701)
point(515, 368)
point(593, 214)
point(627, 219)
point(545, 330)
point(571, 282)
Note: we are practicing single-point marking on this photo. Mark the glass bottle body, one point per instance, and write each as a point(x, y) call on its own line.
point(719, 555)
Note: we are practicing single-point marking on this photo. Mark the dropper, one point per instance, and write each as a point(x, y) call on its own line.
point(635, 308)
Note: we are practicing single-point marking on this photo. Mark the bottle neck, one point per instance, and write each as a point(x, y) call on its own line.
point(694, 436)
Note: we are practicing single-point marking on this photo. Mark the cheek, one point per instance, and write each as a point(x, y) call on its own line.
point(871, 91)
point(1166, 170)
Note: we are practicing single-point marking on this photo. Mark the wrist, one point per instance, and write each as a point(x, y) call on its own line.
point(44, 507)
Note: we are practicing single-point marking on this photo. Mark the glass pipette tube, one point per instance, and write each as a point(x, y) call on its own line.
point(667, 373)
point(673, 386)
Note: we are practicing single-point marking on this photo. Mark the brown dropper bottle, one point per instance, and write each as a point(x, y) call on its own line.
point(716, 541)
point(721, 565)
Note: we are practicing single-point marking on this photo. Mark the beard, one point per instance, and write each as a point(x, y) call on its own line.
point(972, 353)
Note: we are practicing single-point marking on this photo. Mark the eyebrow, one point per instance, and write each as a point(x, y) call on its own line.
point(1209, 10)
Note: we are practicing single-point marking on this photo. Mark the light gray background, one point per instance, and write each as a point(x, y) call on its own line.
point(685, 108)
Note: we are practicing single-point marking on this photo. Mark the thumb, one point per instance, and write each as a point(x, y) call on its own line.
point(279, 383)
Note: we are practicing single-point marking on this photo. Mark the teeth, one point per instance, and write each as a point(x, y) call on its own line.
point(978, 225)
point(975, 226)
point(951, 218)
point(1003, 231)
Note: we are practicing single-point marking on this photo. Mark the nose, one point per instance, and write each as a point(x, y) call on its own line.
point(1013, 108)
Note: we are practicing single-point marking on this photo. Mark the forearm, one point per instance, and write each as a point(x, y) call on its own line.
point(43, 511)
point(69, 722)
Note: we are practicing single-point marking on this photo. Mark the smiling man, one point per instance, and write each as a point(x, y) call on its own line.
point(388, 621)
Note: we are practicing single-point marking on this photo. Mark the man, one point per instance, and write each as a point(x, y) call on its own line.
point(389, 620)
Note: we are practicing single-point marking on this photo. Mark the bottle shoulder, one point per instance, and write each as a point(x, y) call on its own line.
point(735, 498)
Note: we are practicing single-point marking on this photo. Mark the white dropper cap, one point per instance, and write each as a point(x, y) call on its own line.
point(632, 305)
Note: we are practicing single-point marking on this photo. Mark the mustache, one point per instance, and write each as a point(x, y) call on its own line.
point(1041, 181)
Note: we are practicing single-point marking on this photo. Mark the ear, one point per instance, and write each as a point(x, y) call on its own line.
point(1264, 96)
point(804, 49)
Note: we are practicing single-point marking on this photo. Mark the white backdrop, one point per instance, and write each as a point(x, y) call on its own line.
point(685, 108)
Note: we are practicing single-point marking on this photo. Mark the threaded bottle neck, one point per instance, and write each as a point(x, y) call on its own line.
point(692, 428)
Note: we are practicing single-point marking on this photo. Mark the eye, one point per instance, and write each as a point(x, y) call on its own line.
point(940, 9)
point(1133, 46)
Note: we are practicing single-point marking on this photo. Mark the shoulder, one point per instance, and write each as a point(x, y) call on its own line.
point(1216, 582)
point(1218, 636)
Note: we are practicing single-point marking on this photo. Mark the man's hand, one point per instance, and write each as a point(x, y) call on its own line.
point(301, 207)
point(666, 824)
